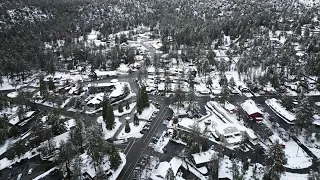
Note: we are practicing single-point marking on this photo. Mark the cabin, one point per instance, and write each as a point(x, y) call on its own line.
point(252, 111)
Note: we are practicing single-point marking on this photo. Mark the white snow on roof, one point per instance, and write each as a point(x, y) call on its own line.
point(70, 123)
point(161, 86)
point(161, 171)
point(203, 157)
point(123, 68)
point(29, 114)
point(45, 174)
point(293, 176)
point(14, 120)
point(102, 84)
point(276, 106)
point(229, 106)
point(105, 73)
point(274, 138)
point(249, 106)
point(118, 91)
point(227, 129)
point(175, 164)
point(97, 99)
point(151, 69)
point(13, 94)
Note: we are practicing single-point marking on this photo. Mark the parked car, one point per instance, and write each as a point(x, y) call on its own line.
point(19, 177)
point(165, 122)
point(151, 119)
point(143, 131)
point(30, 171)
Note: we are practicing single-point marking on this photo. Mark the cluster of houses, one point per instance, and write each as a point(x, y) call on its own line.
point(114, 90)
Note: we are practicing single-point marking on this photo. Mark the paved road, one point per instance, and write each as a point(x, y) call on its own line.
point(136, 148)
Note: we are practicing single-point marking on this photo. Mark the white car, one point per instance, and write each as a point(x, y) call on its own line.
point(30, 171)
point(19, 177)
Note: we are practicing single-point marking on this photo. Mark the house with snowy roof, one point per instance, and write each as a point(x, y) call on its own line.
point(229, 134)
point(252, 111)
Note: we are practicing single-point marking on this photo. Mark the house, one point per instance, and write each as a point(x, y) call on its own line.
point(202, 158)
point(275, 138)
point(101, 87)
point(252, 111)
point(161, 171)
point(229, 134)
point(95, 101)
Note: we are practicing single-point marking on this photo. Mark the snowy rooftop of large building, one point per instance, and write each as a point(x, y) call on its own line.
point(203, 157)
point(175, 164)
point(227, 129)
point(249, 106)
point(276, 106)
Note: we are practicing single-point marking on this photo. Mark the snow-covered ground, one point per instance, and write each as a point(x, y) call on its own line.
point(125, 111)
point(293, 176)
point(147, 112)
point(297, 157)
point(134, 132)
point(162, 142)
point(109, 133)
point(5, 162)
point(314, 146)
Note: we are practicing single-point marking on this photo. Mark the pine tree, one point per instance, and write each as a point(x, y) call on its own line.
point(170, 174)
point(76, 168)
point(66, 153)
point(175, 120)
point(127, 128)
point(126, 90)
point(105, 104)
point(42, 87)
point(144, 97)
point(96, 145)
point(127, 105)
point(115, 159)
point(275, 161)
point(304, 114)
point(107, 114)
point(135, 120)
point(143, 100)
point(1, 81)
point(215, 166)
point(77, 134)
point(314, 175)
point(235, 169)
point(51, 85)
point(224, 94)
point(120, 107)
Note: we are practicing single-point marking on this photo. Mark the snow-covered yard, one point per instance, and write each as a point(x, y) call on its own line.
point(297, 157)
point(5, 162)
point(314, 146)
point(109, 133)
point(147, 112)
point(125, 111)
point(134, 132)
